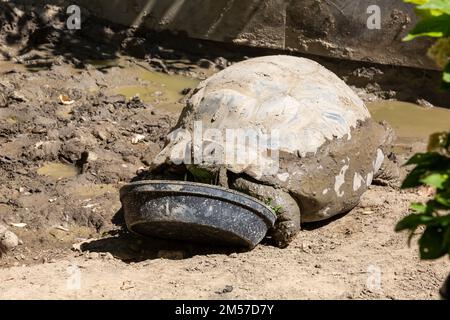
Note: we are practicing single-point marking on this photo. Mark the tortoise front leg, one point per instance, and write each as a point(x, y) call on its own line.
point(287, 224)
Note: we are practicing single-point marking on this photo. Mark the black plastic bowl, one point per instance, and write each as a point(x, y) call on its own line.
point(195, 212)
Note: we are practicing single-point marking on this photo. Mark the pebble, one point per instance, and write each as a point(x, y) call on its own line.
point(18, 96)
point(137, 138)
point(221, 62)
point(9, 240)
point(424, 103)
point(227, 289)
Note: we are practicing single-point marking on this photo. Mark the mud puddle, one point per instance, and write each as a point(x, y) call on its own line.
point(411, 122)
point(160, 89)
point(58, 171)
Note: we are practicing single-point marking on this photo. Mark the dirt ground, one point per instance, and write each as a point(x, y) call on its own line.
point(61, 167)
point(335, 261)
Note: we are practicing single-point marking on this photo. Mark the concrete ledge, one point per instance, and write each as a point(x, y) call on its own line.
point(334, 28)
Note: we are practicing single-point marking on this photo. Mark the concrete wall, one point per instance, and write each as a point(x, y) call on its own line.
point(336, 28)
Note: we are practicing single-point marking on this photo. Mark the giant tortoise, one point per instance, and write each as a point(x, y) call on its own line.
point(318, 149)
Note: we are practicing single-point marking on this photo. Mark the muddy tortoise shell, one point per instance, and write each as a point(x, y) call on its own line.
point(328, 147)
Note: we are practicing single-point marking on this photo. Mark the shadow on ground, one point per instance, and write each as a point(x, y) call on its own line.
point(129, 247)
point(319, 224)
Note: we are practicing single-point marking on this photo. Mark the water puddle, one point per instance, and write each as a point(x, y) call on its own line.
point(58, 170)
point(160, 89)
point(410, 121)
point(156, 88)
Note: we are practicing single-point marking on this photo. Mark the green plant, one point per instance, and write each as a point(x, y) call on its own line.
point(431, 169)
point(434, 23)
point(275, 209)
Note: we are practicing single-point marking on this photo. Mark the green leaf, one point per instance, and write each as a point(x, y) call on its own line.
point(418, 158)
point(412, 180)
point(412, 221)
point(426, 164)
point(418, 207)
point(437, 5)
point(428, 158)
point(419, 2)
point(443, 198)
point(431, 244)
point(435, 26)
point(446, 75)
point(436, 180)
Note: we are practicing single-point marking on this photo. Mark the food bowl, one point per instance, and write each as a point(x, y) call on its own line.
point(195, 212)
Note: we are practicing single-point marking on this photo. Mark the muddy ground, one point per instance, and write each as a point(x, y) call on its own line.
point(61, 167)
